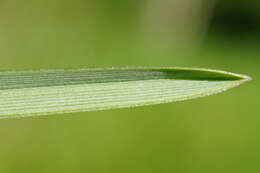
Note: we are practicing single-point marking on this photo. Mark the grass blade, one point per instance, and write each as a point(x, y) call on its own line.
point(32, 93)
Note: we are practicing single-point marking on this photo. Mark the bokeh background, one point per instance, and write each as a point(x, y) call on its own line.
point(213, 134)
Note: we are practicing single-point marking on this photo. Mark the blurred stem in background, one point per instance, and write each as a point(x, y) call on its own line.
point(175, 20)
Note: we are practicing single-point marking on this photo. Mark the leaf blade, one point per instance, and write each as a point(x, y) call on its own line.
point(31, 93)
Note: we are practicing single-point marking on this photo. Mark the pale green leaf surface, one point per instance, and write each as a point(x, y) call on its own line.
point(30, 93)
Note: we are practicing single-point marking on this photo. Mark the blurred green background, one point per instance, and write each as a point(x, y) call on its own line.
point(213, 134)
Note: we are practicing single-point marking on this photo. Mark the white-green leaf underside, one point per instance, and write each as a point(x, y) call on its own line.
point(31, 93)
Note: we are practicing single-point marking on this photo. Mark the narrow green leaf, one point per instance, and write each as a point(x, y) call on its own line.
point(31, 93)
